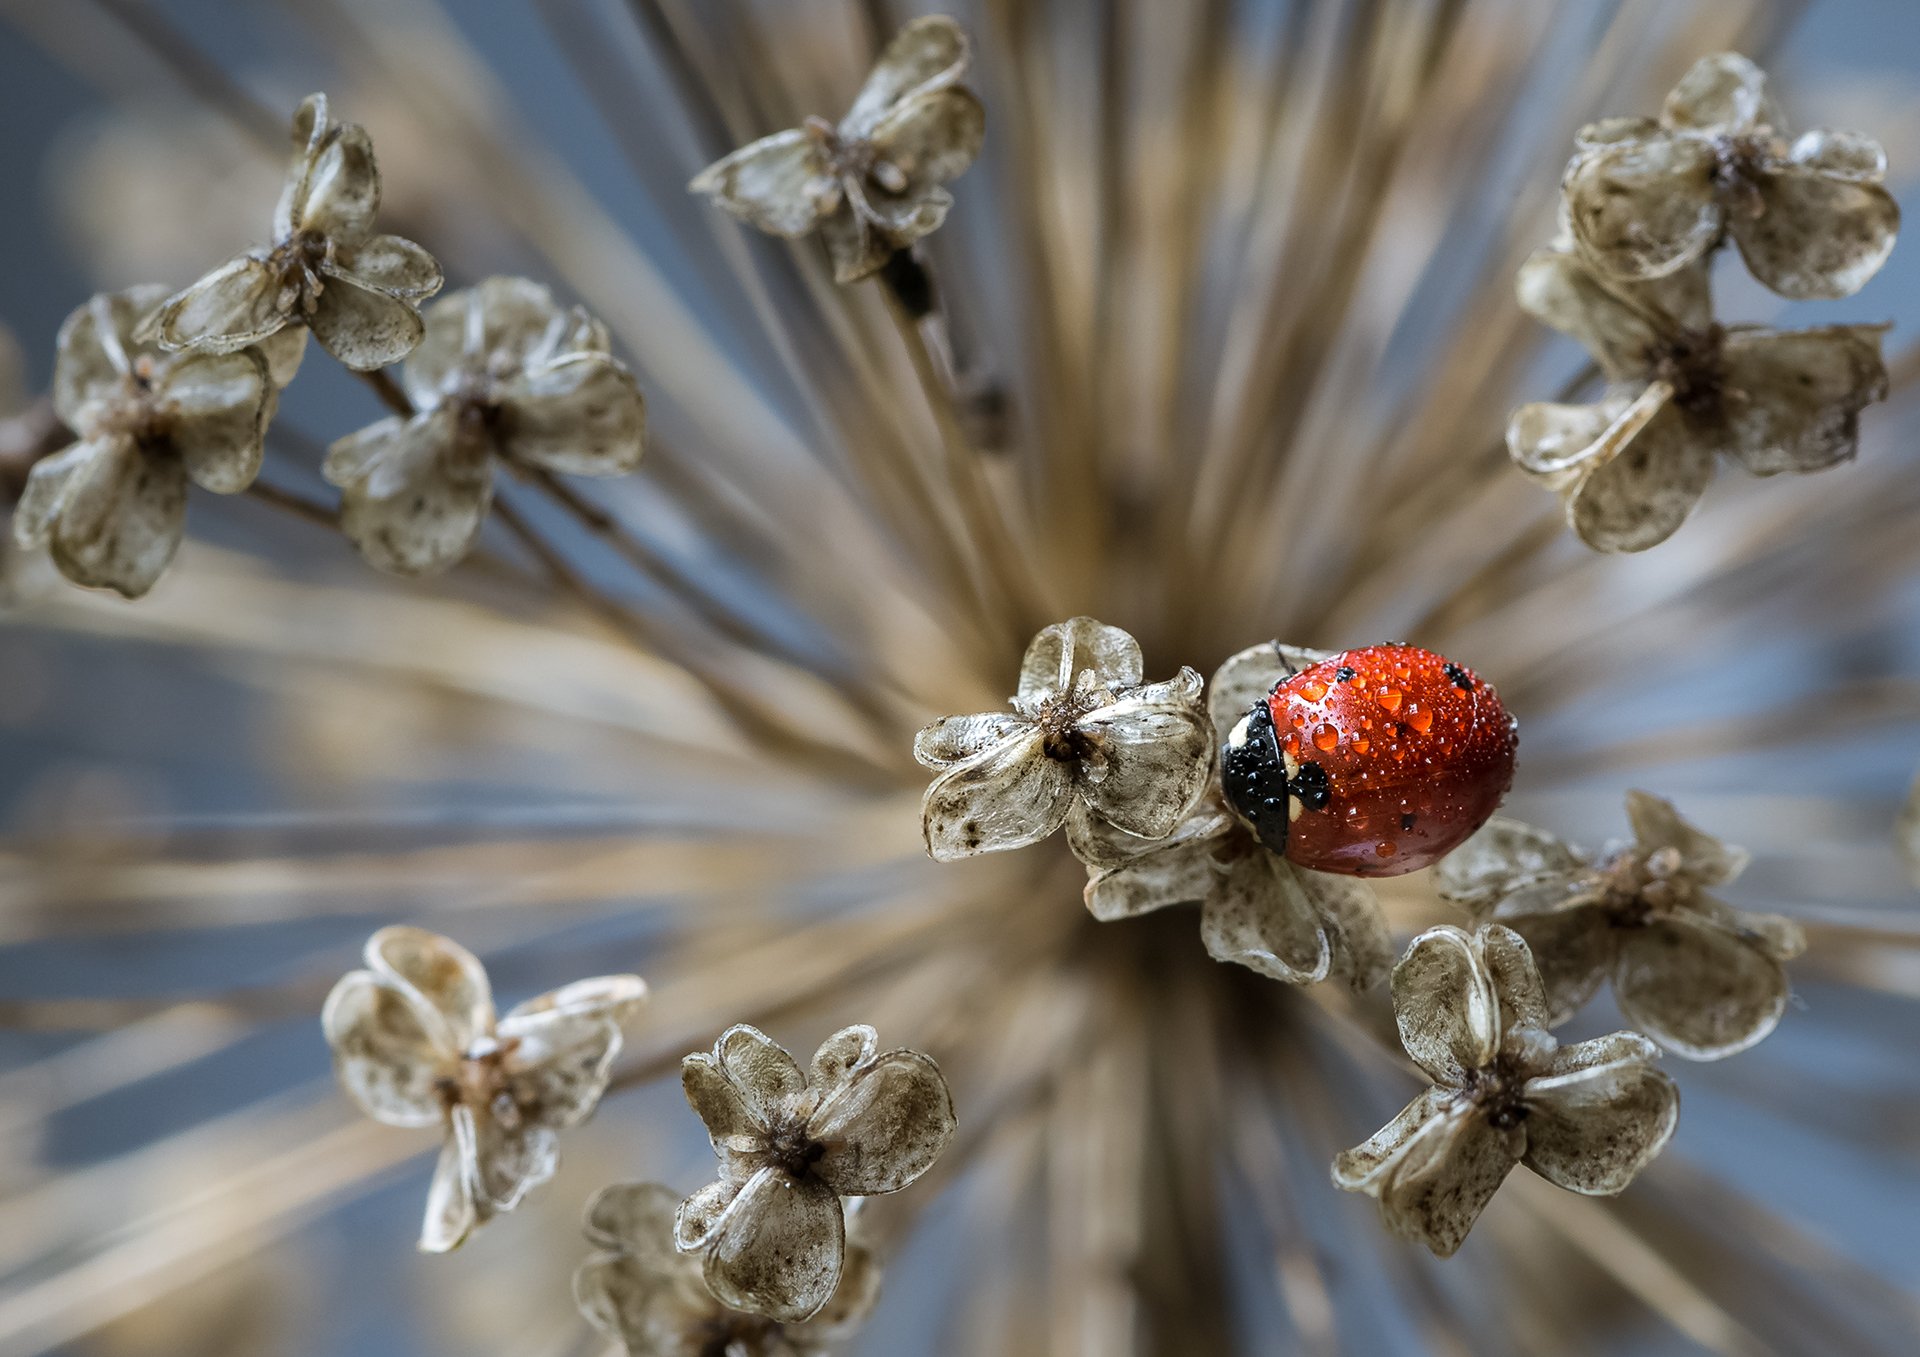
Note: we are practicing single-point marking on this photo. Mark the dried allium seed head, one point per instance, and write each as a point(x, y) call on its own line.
point(875, 182)
point(326, 270)
point(1472, 1013)
point(416, 1043)
point(1703, 979)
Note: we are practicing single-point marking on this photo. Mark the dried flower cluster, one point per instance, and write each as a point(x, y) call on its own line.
point(1647, 204)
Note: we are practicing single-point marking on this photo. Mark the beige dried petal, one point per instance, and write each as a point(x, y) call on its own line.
point(1723, 93)
point(390, 1050)
point(885, 1127)
point(238, 304)
point(1150, 764)
point(1621, 326)
point(1445, 1177)
point(465, 330)
point(389, 264)
point(635, 1219)
point(700, 1215)
point(1259, 915)
point(1249, 676)
point(637, 1293)
point(853, 1301)
point(340, 190)
point(1840, 155)
point(1699, 991)
point(415, 493)
point(1516, 984)
point(1366, 1167)
point(114, 515)
point(1358, 940)
point(451, 1214)
point(1816, 235)
point(769, 1080)
point(1593, 1129)
point(49, 484)
point(1705, 859)
point(95, 350)
point(857, 248)
point(1641, 209)
point(614, 997)
point(780, 1248)
point(1574, 949)
point(221, 404)
point(446, 976)
point(781, 184)
point(1794, 397)
point(509, 1161)
point(927, 54)
point(1639, 497)
point(954, 739)
point(1500, 858)
point(283, 350)
point(1554, 443)
point(1607, 131)
point(898, 222)
point(1129, 876)
point(581, 415)
point(1008, 796)
point(1058, 655)
point(560, 1067)
point(718, 1102)
point(931, 138)
point(363, 328)
point(837, 1057)
point(1445, 1005)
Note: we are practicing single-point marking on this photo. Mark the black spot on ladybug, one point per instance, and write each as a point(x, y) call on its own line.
point(1311, 786)
point(1406, 821)
point(1344, 672)
point(1254, 778)
point(1459, 677)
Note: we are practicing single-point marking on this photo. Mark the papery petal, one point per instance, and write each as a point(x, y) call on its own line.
point(1445, 1005)
point(581, 415)
point(121, 516)
point(898, 222)
point(857, 248)
point(390, 1050)
point(1516, 982)
point(1793, 398)
point(446, 976)
point(781, 184)
point(221, 404)
point(363, 328)
point(1149, 765)
point(1816, 235)
point(1592, 1130)
point(1620, 325)
point(780, 1250)
point(1502, 856)
point(931, 138)
point(392, 265)
point(561, 1065)
point(1008, 796)
point(719, 1103)
point(342, 190)
point(1128, 875)
point(1641, 209)
point(1059, 653)
point(416, 493)
point(928, 53)
point(1358, 941)
point(1445, 1175)
point(312, 123)
point(1840, 155)
point(1573, 949)
point(954, 739)
point(1365, 1167)
point(1705, 859)
point(1608, 131)
point(498, 319)
point(1723, 92)
point(237, 304)
point(510, 1161)
point(50, 482)
point(89, 365)
point(635, 1219)
point(614, 997)
point(451, 1214)
point(853, 1300)
point(1699, 991)
point(1779, 937)
point(769, 1079)
point(836, 1059)
point(700, 1215)
point(283, 350)
point(641, 1308)
point(885, 1127)
point(1259, 915)
point(1250, 676)
point(1639, 496)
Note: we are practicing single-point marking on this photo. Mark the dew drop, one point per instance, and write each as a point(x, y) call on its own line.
point(1361, 747)
point(1418, 719)
point(1390, 699)
point(1383, 849)
point(1313, 690)
point(1325, 736)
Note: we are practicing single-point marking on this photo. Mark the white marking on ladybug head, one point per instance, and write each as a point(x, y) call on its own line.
point(1237, 737)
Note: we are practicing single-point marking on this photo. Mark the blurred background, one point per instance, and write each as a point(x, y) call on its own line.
point(211, 797)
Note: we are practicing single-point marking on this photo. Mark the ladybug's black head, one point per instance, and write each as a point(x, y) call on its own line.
point(1264, 787)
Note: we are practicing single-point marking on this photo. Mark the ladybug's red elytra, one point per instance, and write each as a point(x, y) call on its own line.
point(1372, 762)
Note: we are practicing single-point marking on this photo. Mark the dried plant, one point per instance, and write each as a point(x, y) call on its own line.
point(1215, 342)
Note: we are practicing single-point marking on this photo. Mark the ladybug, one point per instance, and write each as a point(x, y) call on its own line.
point(1372, 762)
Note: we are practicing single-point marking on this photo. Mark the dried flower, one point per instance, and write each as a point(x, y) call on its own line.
point(415, 1043)
point(791, 1143)
point(648, 1296)
point(358, 292)
point(1646, 197)
point(1682, 389)
point(1256, 908)
point(503, 372)
point(1472, 1014)
point(112, 507)
point(1084, 729)
point(873, 184)
point(1701, 978)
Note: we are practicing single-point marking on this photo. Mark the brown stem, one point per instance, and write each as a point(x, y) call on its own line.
point(388, 391)
point(312, 510)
